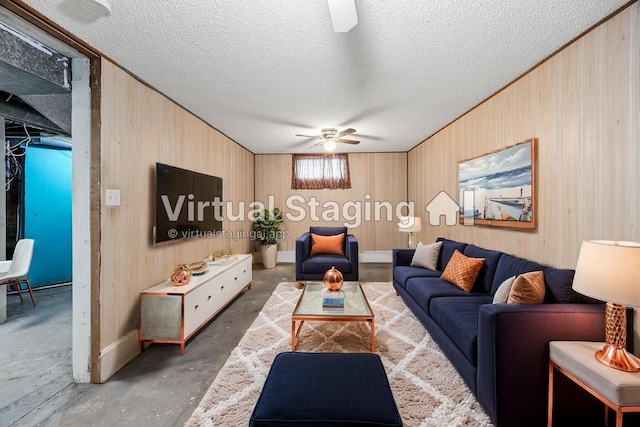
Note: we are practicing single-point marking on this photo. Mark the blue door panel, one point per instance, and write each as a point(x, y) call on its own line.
point(47, 213)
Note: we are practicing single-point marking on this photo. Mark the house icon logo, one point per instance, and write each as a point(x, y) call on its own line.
point(443, 205)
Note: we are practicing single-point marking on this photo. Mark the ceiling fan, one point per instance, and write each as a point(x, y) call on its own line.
point(330, 138)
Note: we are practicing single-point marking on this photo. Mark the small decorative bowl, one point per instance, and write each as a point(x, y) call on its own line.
point(197, 267)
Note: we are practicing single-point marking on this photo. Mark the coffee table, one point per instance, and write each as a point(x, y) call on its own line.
point(309, 308)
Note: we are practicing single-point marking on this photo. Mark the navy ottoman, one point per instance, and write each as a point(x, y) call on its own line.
point(326, 389)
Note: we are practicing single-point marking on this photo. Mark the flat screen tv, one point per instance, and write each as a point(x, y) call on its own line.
point(187, 204)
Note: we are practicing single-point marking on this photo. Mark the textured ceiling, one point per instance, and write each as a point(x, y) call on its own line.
point(263, 71)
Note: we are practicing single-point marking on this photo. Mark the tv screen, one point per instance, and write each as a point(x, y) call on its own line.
point(187, 204)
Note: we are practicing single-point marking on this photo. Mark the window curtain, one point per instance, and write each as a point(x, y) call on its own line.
point(320, 171)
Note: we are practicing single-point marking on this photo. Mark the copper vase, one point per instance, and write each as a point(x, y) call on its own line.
point(333, 279)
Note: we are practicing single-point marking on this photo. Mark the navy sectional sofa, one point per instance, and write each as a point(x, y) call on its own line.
point(500, 350)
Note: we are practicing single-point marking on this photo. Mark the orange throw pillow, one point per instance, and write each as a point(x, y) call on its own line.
point(528, 288)
point(462, 270)
point(332, 245)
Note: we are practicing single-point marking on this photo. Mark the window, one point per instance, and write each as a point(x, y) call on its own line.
point(319, 171)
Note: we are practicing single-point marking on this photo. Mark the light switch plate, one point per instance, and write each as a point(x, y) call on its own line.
point(113, 197)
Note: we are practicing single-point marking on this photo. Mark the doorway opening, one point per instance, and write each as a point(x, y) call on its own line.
point(45, 124)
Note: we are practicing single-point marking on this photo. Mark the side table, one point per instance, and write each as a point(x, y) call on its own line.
point(617, 389)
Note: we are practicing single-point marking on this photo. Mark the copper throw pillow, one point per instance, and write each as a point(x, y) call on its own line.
point(462, 270)
point(333, 245)
point(528, 288)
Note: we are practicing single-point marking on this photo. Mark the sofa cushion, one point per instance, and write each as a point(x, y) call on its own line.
point(509, 265)
point(488, 270)
point(462, 270)
point(423, 289)
point(327, 244)
point(458, 316)
point(317, 264)
point(558, 284)
point(328, 231)
point(403, 273)
point(528, 288)
point(557, 280)
point(426, 255)
point(448, 247)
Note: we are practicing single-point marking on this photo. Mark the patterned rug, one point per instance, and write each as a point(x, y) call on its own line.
point(426, 387)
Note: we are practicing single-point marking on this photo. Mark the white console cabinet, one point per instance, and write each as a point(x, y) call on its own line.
point(173, 314)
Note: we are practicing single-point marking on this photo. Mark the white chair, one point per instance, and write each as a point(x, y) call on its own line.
point(16, 275)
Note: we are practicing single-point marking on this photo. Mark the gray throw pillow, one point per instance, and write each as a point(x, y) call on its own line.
point(502, 294)
point(426, 256)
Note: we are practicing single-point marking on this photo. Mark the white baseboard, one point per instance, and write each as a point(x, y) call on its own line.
point(364, 257)
point(376, 256)
point(117, 354)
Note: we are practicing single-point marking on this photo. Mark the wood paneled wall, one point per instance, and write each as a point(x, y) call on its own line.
point(583, 105)
point(139, 128)
point(375, 178)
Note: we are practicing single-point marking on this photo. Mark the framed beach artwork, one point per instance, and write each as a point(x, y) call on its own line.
point(499, 188)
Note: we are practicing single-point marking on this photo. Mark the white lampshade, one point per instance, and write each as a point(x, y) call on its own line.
point(609, 271)
point(410, 224)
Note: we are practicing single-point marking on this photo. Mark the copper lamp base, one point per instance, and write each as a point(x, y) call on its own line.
point(613, 353)
point(411, 242)
point(618, 358)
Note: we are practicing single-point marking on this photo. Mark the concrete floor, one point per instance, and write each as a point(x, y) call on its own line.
point(157, 388)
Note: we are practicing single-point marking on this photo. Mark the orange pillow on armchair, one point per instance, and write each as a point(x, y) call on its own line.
point(332, 245)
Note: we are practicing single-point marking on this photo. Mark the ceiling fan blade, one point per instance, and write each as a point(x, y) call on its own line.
point(308, 136)
point(345, 132)
point(348, 141)
point(372, 137)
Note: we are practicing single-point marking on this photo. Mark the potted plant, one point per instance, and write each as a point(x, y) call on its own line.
point(266, 226)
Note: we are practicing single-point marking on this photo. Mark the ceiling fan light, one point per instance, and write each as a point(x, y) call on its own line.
point(97, 7)
point(330, 145)
point(343, 15)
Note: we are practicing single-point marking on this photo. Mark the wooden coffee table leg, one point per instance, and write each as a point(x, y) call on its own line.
point(373, 335)
point(294, 333)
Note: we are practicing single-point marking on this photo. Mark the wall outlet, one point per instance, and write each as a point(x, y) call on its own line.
point(113, 197)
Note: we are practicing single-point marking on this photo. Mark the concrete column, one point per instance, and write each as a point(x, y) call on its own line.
point(81, 214)
point(3, 222)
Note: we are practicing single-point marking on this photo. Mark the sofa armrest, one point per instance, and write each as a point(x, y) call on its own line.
point(352, 247)
point(402, 256)
point(303, 247)
point(352, 254)
point(513, 354)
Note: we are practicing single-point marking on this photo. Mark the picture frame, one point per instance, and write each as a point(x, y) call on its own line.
point(498, 189)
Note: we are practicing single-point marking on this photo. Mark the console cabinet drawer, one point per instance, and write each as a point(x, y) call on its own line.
point(216, 297)
point(195, 310)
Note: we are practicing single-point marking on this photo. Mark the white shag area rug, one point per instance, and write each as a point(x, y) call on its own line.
point(426, 387)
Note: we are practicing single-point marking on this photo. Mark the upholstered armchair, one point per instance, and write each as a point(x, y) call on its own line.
point(321, 248)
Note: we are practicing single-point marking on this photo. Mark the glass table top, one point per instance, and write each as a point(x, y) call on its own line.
point(310, 302)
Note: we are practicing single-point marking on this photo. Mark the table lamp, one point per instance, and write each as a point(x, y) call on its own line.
point(410, 224)
point(610, 271)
